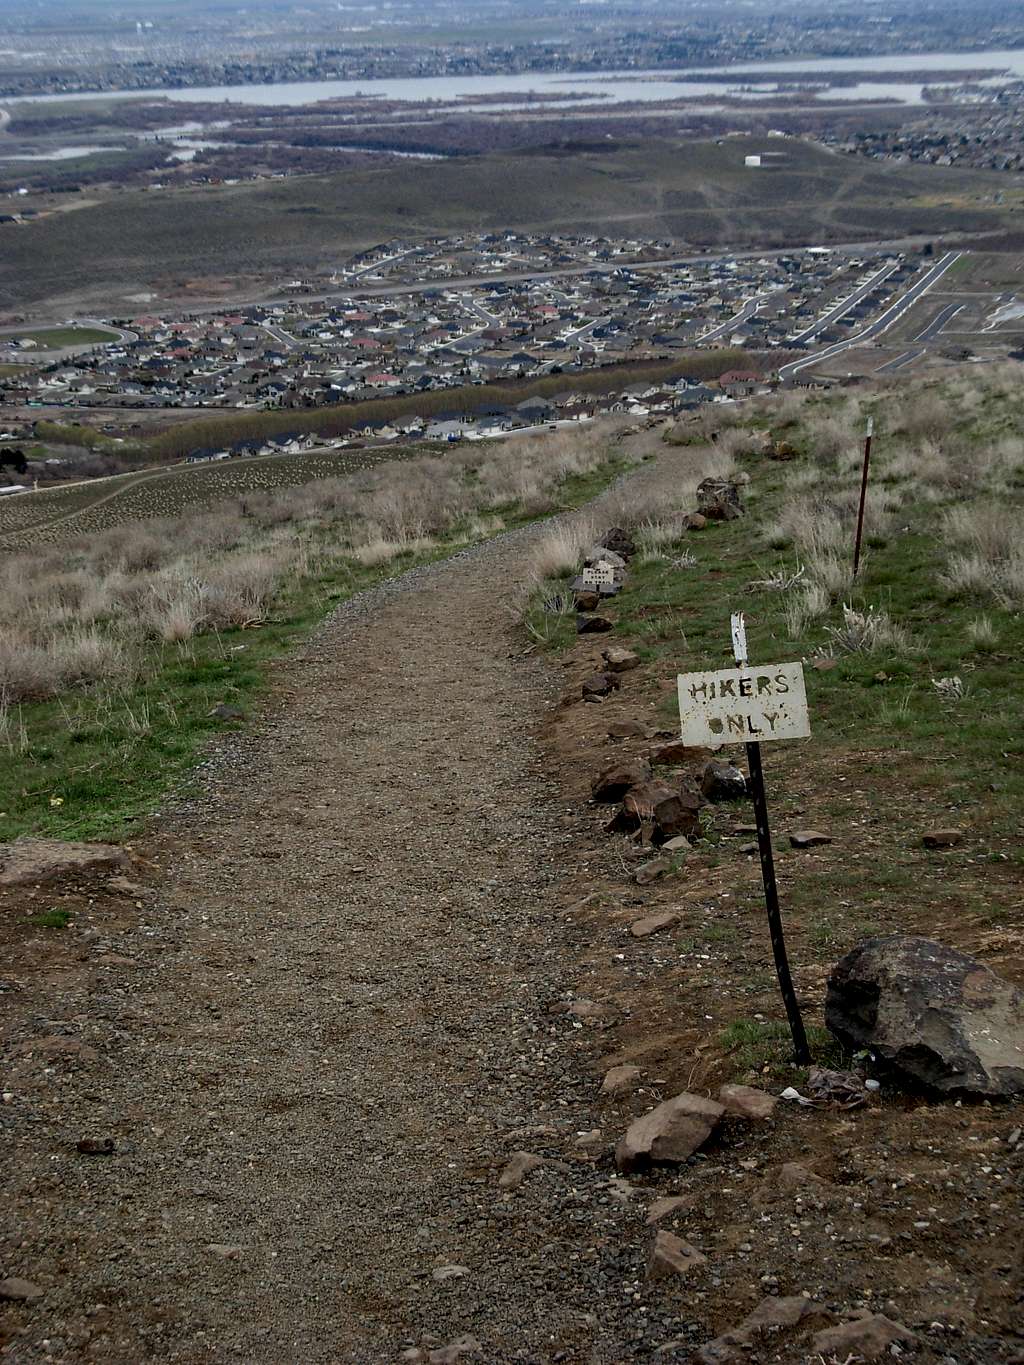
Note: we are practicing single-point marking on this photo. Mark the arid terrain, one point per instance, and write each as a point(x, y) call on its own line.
point(378, 945)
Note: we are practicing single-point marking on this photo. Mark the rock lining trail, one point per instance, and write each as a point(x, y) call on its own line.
point(328, 1034)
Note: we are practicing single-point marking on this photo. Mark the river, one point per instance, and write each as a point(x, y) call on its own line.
point(611, 87)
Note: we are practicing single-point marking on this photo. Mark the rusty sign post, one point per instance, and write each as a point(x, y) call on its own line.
point(863, 494)
point(746, 705)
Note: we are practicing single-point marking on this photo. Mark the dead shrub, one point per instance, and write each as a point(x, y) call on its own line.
point(867, 632)
point(559, 554)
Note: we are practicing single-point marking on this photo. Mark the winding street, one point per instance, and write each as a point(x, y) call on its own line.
point(891, 314)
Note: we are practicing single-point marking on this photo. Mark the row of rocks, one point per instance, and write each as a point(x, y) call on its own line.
point(606, 562)
point(662, 809)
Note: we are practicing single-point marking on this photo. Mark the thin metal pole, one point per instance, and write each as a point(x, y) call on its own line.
point(801, 1051)
point(863, 495)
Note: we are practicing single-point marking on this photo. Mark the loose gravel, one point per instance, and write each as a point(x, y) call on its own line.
point(339, 1018)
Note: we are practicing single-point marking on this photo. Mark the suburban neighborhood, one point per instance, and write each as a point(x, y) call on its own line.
point(408, 318)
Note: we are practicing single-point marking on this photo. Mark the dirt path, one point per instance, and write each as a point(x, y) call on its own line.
point(321, 1044)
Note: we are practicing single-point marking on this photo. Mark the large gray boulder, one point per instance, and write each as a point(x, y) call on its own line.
point(931, 1015)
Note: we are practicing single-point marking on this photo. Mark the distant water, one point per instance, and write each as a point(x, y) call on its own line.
point(58, 154)
point(612, 87)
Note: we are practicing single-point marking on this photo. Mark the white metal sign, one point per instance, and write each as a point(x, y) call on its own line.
point(600, 575)
point(743, 705)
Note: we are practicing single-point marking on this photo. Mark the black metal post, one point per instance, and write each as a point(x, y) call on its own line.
point(801, 1051)
point(863, 496)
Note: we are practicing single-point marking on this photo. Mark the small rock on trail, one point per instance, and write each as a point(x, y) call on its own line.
point(653, 924)
point(942, 838)
point(747, 1102)
point(620, 1080)
point(613, 782)
point(670, 1133)
point(809, 838)
point(520, 1166)
point(723, 782)
point(16, 1290)
point(865, 1338)
point(620, 660)
point(651, 872)
point(671, 1256)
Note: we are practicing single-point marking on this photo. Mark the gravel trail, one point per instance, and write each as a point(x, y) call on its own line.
point(332, 1028)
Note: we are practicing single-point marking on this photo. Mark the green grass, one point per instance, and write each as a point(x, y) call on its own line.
point(96, 764)
point(55, 338)
point(662, 606)
point(765, 1048)
point(52, 919)
point(889, 757)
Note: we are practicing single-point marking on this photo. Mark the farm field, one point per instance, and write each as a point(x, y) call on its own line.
point(700, 194)
point(78, 509)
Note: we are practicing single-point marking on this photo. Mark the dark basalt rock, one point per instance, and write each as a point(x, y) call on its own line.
point(931, 1016)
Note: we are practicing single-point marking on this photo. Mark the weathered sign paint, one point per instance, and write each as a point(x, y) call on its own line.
point(743, 705)
point(600, 575)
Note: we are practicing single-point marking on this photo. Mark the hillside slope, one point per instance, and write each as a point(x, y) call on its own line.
point(699, 193)
point(384, 943)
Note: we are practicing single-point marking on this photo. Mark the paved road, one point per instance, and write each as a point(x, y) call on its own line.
point(885, 320)
point(901, 361)
point(744, 315)
point(844, 306)
point(928, 333)
point(586, 329)
point(286, 339)
point(491, 319)
point(938, 323)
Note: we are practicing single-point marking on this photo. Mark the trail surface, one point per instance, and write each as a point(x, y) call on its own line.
point(330, 1031)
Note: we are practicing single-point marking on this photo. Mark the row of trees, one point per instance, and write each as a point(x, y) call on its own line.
point(339, 419)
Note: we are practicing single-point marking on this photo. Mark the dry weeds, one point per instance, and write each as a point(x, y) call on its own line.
point(84, 610)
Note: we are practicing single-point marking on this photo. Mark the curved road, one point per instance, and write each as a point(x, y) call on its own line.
point(844, 305)
point(892, 314)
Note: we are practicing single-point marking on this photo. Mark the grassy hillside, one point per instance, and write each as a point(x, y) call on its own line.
point(78, 509)
point(126, 646)
point(915, 674)
point(695, 192)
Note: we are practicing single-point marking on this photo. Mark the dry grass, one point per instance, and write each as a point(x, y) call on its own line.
point(866, 632)
point(804, 608)
point(989, 559)
point(85, 611)
point(558, 554)
point(982, 633)
point(382, 550)
point(654, 536)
